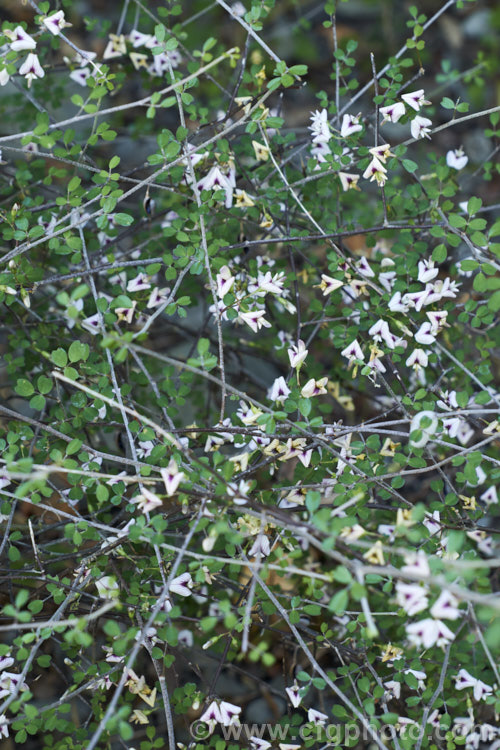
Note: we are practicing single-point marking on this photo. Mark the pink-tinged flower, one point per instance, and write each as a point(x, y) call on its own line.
point(456, 159)
point(353, 351)
point(348, 181)
point(225, 281)
point(158, 297)
point(465, 680)
point(255, 319)
point(172, 477)
point(415, 99)
point(316, 717)
point(297, 354)
point(328, 284)
point(279, 391)
point(411, 597)
point(31, 68)
point(424, 334)
point(426, 271)
point(393, 112)
point(92, 324)
point(80, 76)
point(420, 127)
point(181, 585)
point(350, 125)
point(417, 359)
point(261, 547)
point(428, 633)
point(319, 127)
point(139, 283)
point(314, 388)
point(229, 713)
point(376, 171)
point(19, 39)
point(147, 500)
point(445, 607)
point(56, 22)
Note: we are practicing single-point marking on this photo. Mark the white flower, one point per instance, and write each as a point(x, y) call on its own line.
point(297, 354)
point(216, 180)
point(411, 597)
point(91, 324)
point(279, 391)
point(446, 606)
point(314, 388)
point(261, 546)
point(6, 662)
point(415, 99)
point(456, 159)
point(108, 588)
point(80, 75)
point(56, 22)
point(158, 297)
point(139, 283)
point(181, 585)
point(211, 716)
point(420, 127)
point(424, 334)
point(428, 431)
point(4, 727)
point(4, 77)
point(438, 320)
point(229, 713)
point(432, 522)
point(376, 171)
point(31, 68)
point(350, 125)
point(428, 633)
point(417, 564)
point(115, 47)
point(417, 359)
point(316, 717)
point(426, 271)
point(172, 477)
point(393, 112)
point(393, 689)
point(419, 676)
point(225, 281)
point(319, 127)
point(9, 682)
point(490, 496)
point(147, 500)
point(328, 284)
point(142, 40)
point(348, 181)
point(396, 303)
point(294, 695)
point(19, 39)
point(255, 319)
point(465, 680)
point(255, 742)
point(353, 351)
point(185, 638)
